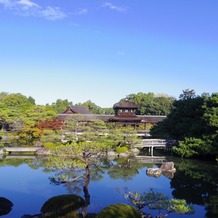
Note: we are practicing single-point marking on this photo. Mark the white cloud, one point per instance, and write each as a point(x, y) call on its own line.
point(53, 13)
point(81, 11)
point(27, 3)
point(114, 7)
point(30, 8)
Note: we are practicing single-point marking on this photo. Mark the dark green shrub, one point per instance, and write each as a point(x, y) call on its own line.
point(119, 211)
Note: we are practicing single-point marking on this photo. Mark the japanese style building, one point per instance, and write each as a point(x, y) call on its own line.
point(124, 115)
point(76, 110)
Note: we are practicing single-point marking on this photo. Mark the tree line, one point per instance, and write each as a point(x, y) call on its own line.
point(192, 119)
point(18, 111)
point(24, 122)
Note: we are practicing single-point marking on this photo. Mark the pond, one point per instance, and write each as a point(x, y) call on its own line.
point(27, 182)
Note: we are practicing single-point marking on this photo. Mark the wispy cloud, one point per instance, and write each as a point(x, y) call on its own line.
point(81, 11)
point(30, 8)
point(53, 13)
point(114, 7)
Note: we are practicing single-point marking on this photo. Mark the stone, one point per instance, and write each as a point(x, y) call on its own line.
point(168, 166)
point(111, 154)
point(124, 154)
point(38, 144)
point(135, 151)
point(156, 172)
point(168, 174)
point(43, 151)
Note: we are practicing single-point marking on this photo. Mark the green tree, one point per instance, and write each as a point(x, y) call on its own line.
point(92, 107)
point(185, 120)
point(12, 110)
point(2, 95)
point(39, 113)
point(123, 136)
point(32, 100)
point(194, 122)
point(187, 94)
point(211, 119)
point(61, 105)
point(151, 104)
point(157, 201)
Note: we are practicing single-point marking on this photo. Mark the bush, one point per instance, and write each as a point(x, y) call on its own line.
point(51, 145)
point(119, 211)
point(121, 149)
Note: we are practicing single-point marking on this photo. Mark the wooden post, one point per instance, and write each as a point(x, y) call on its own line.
point(152, 151)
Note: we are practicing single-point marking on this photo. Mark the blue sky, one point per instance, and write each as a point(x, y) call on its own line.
point(104, 50)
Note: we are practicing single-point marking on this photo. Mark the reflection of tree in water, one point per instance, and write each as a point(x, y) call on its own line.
point(124, 168)
point(197, 183)
point(15, 162)
point(75, 175)
point(5, 206)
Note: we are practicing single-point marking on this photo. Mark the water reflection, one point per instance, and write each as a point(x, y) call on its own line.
point(5, 206)
point(194, 181)
point(197, 183)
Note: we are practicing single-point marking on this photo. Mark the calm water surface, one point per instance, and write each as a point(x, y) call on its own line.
point(26, 183)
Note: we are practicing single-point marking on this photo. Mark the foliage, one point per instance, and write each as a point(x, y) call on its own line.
point(122, 149)
point(39, 113)
point(20, 115)
point(95, 109)
point(187, 94)
point(17, 102)
point(65, 206)
point(92, 107)
point(50, 136)
point(119, 211)
point(31, 100)
point(151, 104)
point(30, 133)
point(193, 121)
point(157, 201)
point(61, 105)
point(190, 147)
point(50, 124)
point(86, 149)
point(12, 109)
point(123, 136)
point(108, 111)
point(184, 120)
point(196, 182)
point(124, 169)
point(179, 207)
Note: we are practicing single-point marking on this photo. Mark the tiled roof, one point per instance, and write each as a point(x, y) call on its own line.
point(125, 104)
point(76, 110)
